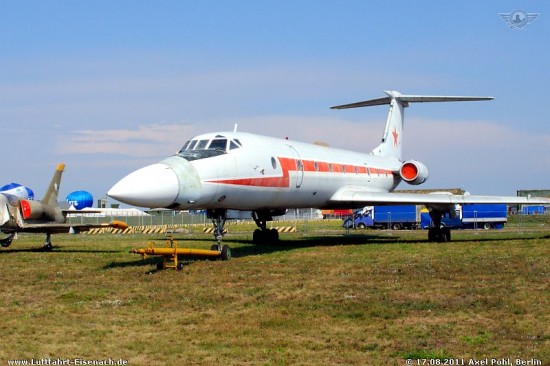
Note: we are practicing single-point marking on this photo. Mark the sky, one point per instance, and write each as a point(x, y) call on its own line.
point(107, 87)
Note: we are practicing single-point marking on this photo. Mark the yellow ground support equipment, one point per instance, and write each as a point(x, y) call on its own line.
point(171, 253)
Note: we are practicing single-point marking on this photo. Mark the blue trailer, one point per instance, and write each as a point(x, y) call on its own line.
point(533, 210)
point(384, 217)
point(472, 216)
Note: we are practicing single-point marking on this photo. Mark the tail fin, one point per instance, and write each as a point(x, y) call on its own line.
point(391, 145)
point(50, 198)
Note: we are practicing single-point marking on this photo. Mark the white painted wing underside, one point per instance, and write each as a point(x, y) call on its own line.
point(347, 195)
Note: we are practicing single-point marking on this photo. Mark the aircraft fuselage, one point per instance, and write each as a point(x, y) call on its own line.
point(251, 172)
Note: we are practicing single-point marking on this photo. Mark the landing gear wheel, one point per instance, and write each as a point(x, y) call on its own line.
point(257, 236)
point(267, 236)
point(7, 241)
point(215, 248)
point(440, 235)
point(263, 234)
point(273, 236)
point(179, 267)
point(47, 247)
point(226, 253)
point(434, 234)
point(446, 234)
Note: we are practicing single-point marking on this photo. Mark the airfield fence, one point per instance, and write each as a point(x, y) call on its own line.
point(296, 219)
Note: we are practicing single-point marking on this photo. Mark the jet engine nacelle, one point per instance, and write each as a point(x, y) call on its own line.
point(31, 210)
point(36, 210)
point(414, 172)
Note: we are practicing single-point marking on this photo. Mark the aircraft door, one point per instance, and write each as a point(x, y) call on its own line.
point(299, 166)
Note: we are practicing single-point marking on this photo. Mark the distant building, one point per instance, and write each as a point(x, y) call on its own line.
point(534, 193)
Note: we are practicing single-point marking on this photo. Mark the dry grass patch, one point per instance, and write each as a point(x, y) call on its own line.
point(369, 298)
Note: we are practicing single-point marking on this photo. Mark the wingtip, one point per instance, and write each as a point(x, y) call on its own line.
point(60, 167)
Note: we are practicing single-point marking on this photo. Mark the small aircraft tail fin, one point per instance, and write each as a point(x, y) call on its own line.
point(51, 196)
point(391, 145)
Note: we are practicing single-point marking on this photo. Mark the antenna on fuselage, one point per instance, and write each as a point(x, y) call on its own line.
point(235, 127)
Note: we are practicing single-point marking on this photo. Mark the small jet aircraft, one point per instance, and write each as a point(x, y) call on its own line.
point(23, 215)
point(226, 171)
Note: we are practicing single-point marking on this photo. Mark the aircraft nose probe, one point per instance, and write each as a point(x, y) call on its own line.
point(153, 186)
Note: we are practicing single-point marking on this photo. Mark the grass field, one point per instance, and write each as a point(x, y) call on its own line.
point(319, 297)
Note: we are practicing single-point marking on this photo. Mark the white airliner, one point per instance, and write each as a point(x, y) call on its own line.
point(225, 171)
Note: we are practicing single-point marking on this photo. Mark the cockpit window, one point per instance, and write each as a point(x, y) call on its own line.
point(185, 145)
point(218, 144)
point(201, 149)
point(201, 145)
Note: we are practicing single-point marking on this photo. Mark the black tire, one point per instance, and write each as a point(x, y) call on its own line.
point(257, 236)
point(361, 226)
point(431, 234)
point(179, 267)
point(396, 226)
point(226, 253)
point(446, 235)
point(487, 226)
point(273, 236)
point(215, 248)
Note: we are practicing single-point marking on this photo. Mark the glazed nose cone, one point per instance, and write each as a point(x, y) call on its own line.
point(153, 186)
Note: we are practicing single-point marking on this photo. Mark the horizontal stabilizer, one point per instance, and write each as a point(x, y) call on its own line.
point(409, 99)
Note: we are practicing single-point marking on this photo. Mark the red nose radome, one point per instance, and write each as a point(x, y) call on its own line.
point(153, 186)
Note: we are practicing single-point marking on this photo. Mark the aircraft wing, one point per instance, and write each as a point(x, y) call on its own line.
point(349, 197)
point(56, 228)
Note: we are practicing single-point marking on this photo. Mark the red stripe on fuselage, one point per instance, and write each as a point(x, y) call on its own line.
point(291, 164)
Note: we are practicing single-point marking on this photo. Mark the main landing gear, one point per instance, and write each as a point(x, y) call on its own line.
point(218, 219)
point(438, 233)
point(47, 247)
point(263, 234)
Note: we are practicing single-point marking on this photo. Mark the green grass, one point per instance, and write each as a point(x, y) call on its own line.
point(318, 297)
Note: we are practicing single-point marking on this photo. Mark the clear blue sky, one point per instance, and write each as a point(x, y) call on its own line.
point(109, 86)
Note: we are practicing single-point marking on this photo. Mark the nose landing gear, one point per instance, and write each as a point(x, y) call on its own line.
point(218, 220)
